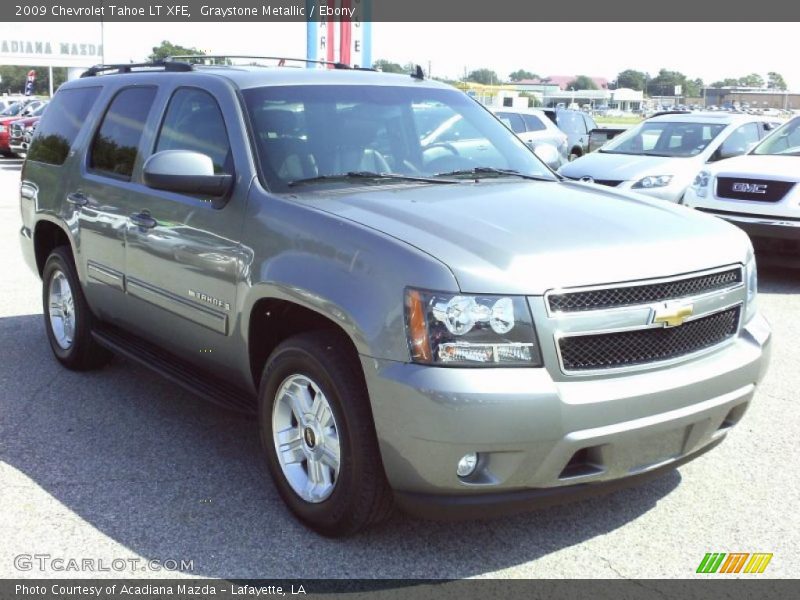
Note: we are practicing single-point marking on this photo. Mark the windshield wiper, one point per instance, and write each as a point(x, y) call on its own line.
point(493, 171)
point(366, 175)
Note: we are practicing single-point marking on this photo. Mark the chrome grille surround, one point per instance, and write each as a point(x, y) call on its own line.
point(609, 321)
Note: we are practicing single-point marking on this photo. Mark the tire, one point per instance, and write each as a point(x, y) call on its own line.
point(69, 331)
point(333, 502)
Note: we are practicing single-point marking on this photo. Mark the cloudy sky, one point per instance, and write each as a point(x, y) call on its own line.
point(709, 50)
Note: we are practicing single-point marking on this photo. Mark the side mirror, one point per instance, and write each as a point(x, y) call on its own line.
point(185, 172)
point(549, 155)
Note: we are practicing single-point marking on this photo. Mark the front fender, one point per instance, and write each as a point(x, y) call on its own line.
point(351, 274)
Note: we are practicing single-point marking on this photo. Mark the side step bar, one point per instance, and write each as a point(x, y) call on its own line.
point(175, 369)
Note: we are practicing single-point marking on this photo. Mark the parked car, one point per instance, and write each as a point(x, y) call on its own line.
point(464, 333)
point(9, 115)
point(661, 156)
point(759, 192)
point(577, 125)
point(534, 128)
point(17, 140)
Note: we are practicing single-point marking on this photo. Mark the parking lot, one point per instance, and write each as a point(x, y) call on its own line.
point(121, 464)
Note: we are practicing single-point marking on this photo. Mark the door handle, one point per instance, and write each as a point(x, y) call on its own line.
point(144, 220)
point(77, 199)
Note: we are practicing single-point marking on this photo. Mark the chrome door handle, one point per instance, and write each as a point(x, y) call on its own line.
point(77, 199)
point(143, 220)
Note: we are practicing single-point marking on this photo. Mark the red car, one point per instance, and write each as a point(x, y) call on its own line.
point(10, 114)
point(17, 129)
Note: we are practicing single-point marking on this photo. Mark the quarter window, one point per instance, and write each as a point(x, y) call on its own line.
point(115, 147)
point(60, 126)
point(194, 122)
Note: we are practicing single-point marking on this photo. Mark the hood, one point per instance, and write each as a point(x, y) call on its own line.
point(525, 237)
point(628, 167)
point(786, 168)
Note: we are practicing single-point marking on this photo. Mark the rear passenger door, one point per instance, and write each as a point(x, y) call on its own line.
point(183, 256)
point(100, 195)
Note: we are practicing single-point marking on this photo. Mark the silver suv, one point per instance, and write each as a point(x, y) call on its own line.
point(454, 329)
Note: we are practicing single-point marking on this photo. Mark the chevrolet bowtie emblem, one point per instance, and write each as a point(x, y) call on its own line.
point(672, 314)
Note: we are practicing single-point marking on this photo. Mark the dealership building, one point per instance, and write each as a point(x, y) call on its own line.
point(556, 89)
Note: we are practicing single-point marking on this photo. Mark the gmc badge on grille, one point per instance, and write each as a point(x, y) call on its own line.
point(750, 188)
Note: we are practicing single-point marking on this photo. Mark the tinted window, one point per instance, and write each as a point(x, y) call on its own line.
point(59, 127)
point(534, 123)
point(194, 122)
point(116, 144)
point(512, 120)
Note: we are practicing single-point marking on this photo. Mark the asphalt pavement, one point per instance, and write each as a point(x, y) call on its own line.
point(122, 467)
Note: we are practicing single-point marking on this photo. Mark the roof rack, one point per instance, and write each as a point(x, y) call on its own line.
point(129, 67)
point(281, 59)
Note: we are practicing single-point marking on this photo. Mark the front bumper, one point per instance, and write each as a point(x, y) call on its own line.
point(538, 437)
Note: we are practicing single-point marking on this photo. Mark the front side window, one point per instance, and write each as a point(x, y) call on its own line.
point(194, 122)
point(664, 138)
point(116, 145)
point(58, 129)
point(311, 131)
point(785, 140)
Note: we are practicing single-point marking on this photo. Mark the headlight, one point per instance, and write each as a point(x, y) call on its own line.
point(462, 330)
point(653, 181)
point(751, 277)
point(3, 128)
point(700, 183)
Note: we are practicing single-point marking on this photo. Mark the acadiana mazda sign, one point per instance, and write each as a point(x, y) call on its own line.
point(55, 53)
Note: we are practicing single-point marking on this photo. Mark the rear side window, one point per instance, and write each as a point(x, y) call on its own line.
point(534, 123)
point(60, 126)
point(194, 122)
point(513, 121)
point(116, 144)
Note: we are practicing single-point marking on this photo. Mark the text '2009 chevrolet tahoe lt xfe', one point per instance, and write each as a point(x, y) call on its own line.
point(451, 328)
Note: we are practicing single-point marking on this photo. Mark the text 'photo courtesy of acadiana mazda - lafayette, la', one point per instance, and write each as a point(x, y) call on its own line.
point(758, 192)
point(456, 333)
point(661, 156)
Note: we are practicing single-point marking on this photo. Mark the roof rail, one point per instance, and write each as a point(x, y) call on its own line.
point(281, 59)
point(128, 67)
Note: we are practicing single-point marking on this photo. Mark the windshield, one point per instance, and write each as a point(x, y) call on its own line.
point(37, 112)
point(12, 110)
point(784, 140)
point(314, 131)
point(664, 138)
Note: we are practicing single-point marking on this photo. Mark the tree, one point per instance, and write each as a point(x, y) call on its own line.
point(727, 82)
point(752, 80)
point(664, 83)
point(635, 80)
point(484, 76)
point(582, 82)
point(521, 74)
point(533, 101)
point(775, 81)
point(389, 67)
point(167, 48)
point(693, 88)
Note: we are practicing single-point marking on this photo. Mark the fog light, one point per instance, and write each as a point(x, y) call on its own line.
point(466, 466)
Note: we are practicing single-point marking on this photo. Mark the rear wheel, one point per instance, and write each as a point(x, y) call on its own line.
point(319, 437)
point(67, 317)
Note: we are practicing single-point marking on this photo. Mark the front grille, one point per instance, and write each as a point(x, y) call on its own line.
point(642, 346)
point(760, 190)
point(644, 294)
point(608, 182)
point(16, 130)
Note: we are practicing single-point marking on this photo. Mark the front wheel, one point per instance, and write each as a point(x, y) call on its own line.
point(318, 435)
